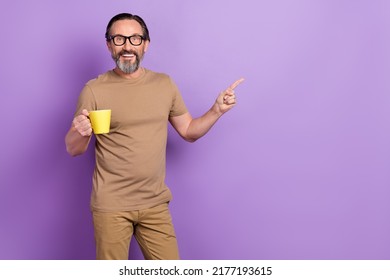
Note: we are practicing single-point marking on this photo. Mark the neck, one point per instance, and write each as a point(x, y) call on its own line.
point(130, 76)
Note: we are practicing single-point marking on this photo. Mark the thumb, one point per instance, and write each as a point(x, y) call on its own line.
point(85, 112)
point(220, 97)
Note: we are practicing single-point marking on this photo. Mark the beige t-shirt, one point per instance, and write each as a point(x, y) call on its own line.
point(130, 159)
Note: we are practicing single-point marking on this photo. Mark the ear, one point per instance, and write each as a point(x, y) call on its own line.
point(146, 45)
point(108, 43)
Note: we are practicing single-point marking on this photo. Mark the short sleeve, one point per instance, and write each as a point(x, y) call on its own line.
point(178, 106)
point(86, 100)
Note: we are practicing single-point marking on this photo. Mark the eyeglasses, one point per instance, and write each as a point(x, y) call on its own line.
point(120, 40)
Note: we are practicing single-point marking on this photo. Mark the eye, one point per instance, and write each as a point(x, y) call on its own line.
point(136, 39)
point(119, 39)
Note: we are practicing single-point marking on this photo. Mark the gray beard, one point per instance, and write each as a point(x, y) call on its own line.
point(128, 67)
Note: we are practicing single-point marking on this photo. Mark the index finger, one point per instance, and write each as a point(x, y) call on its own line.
point(236, 83)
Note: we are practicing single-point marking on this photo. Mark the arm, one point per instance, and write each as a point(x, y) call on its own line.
point(79, 135)
point(192, 129)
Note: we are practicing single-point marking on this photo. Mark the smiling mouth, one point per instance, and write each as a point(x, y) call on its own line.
point(128, 56)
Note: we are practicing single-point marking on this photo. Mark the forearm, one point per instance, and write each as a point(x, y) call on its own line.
point(200, 126)
point(76, 144)
point(192, 129)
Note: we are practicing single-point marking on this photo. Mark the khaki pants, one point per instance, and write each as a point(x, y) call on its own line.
point(152, 229)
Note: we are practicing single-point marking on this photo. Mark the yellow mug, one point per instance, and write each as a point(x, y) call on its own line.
point(100, 121)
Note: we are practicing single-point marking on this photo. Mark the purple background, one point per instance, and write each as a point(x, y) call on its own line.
point(299, 169)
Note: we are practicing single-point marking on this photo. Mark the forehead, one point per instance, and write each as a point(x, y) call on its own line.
point(126, 27)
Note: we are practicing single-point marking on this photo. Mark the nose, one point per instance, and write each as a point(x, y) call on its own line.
point(127, 45)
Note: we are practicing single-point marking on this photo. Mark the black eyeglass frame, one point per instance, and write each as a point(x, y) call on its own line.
point(112, 38)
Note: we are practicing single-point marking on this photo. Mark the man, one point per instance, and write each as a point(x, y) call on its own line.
point(129, 194)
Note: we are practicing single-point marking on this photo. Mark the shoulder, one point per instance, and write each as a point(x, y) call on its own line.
point(161, 80)
point(102, 78)
point(157, 76)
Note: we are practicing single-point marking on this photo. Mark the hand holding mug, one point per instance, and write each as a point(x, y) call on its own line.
point(82, 123)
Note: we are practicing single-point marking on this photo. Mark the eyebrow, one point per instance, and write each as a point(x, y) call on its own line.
point(135, 34)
